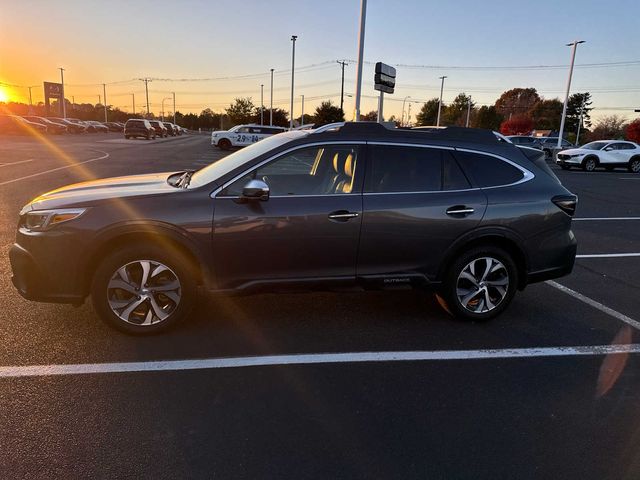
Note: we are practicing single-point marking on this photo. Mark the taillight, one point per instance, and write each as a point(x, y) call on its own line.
point(566, 203)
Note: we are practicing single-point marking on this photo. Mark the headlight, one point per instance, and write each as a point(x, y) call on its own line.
point(39, 220)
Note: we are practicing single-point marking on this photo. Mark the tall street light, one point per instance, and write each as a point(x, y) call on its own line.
point(162, 113)
point(133, 102)
point(302, 113)
point(64, 107)
point(271, 102)
point(566, 97)
point(262, 104)
point(403, 103)
point(174, 107)
point(293, 65)
point(468, 113)
point(104, 94)
point(363, 16)
point(440, 102)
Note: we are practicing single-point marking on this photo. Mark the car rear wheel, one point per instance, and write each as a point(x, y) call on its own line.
point(224, 144)
point(144, 290)
point(634, 165)
point(480, 284)
point(589, 164)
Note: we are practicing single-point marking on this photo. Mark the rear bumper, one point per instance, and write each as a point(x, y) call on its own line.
point(562, 268)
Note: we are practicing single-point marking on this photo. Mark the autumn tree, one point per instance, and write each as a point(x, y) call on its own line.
point(517, 125)
point(241, 111)
point(327, 112)
point(517, 101)
point(608, 128)
point(428, 114)
point(632, 132)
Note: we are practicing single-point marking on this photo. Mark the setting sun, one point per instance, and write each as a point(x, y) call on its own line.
point(4, 95)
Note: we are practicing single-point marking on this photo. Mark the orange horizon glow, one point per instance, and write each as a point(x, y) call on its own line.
point(5, 96)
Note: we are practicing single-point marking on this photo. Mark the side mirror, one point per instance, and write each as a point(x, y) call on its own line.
point(255, 190)
point(608, 149)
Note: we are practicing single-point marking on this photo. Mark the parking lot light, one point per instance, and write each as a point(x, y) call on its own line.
point(271, 102)
point(293, 64)
point(162, 113)
point(104, 94)
point(403, 104)
point(174, 107)
point(262, 104)
point(440, 102)
point(363, 16)
point(64, 107)
point(573, 44)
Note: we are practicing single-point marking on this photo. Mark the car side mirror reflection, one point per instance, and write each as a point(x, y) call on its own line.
point(255, 190)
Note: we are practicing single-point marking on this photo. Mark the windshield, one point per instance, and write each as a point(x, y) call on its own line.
point(595, 145)
point(237, 159)
point(233, 129)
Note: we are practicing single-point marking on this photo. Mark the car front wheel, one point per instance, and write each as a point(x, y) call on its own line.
point(480, 284)
point(589, 164)
point(224, 144)
point(144, 290)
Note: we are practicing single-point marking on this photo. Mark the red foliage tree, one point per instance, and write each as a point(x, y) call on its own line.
point(633, 131)
point(517, 125)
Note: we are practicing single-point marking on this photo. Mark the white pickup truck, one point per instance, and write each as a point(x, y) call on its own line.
point(242, 135)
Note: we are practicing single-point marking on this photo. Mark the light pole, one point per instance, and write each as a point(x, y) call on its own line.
point(293, 64)
point(173, 94)
point(579, 124)
point(64, 107)
point(146, 89)
point(302, 114)
point(403, 103)
point(133, 102)
point(573, 44)
point(162, 113)
point(261, 104)
point(271, 102)
point(409, 115)
point(342, 64)
point(363, 16)
point(468, 112)
point(440, 102)
point(104, 94)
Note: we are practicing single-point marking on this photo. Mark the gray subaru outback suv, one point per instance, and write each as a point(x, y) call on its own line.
point(454, 211)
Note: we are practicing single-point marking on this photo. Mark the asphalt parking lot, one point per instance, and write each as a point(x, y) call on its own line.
point(363, 385)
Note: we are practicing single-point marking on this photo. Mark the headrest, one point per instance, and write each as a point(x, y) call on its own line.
point(348, 166)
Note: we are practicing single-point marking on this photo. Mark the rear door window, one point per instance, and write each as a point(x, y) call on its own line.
point(396, 169)
point(488, 171)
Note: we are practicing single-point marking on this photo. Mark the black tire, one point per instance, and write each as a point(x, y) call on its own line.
point(179, 268)
point(589, 164)
point(224, 144)
point(455, 283)
point(634, 165)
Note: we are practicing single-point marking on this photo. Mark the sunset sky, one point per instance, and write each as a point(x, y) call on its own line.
point(198, 49)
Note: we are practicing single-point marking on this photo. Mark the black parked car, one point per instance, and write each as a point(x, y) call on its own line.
point(114, 126)
point(161, 130)
point(72, 127)
point(171, 130)
point(454, 210)
point(52, 127)
point(139, 128)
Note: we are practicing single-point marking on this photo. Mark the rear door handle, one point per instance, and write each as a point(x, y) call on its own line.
point(342, 215)
point(460, 210)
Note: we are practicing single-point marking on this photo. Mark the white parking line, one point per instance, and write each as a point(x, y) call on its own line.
point(609, 255)
point(10, 164)
point(312, 359)
point(597, 305)
point(56, 169)
point(598, 219)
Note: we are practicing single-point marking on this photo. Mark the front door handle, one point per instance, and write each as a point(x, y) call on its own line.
point(460, 210)
point(342, 215)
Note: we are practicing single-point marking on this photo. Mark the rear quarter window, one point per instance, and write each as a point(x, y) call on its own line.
point(488, 171)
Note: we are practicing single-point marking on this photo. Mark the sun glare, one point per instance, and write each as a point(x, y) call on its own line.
point(4, 95)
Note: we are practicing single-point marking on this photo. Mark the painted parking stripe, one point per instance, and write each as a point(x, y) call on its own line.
point(608, 255)
point(106, 155)
point(598, 219)
point(313, 359)
point(10, 164)
point(597, 305)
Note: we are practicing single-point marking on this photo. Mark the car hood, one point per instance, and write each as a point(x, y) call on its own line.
point(85, 193)
point(577, 151)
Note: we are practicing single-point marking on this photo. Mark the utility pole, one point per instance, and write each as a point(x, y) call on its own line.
point(579, 124)
point(174, 107)
point(30, 100)
point(302, 114)
point(262, 104)
point(104, 92)
point(271, 102)
point(440, 102)
point(293, 64)
point(64, 107)
point(363, 16)
point(566, 97)
point(342, 64)
point(468, 112)
point(133, 102)
point(146, 89)
point(99, 99)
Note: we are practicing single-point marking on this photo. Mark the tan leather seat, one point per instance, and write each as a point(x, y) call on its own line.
point(345, 184)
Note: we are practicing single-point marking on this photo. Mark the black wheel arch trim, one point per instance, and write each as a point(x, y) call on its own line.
point(481, 235)
point(148, 227)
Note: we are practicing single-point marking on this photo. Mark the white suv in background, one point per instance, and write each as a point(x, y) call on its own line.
point(602, 153)
point(243, 135)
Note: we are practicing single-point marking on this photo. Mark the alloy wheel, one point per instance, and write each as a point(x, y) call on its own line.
point(143, 292)
point(635, 166)
point(482, 285)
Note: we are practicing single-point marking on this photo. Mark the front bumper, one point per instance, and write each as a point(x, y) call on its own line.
point(569, 161)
